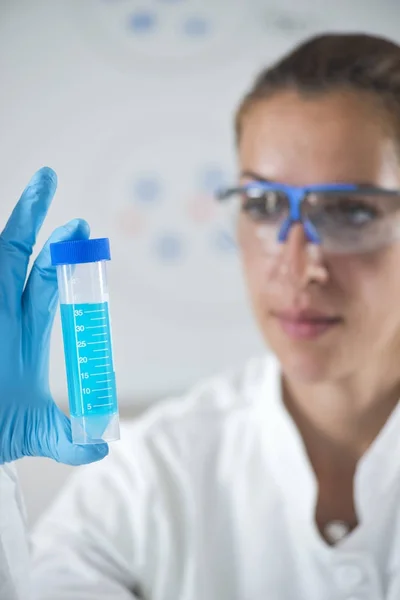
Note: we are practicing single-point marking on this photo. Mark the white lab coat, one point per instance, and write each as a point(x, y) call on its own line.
point(210, 497)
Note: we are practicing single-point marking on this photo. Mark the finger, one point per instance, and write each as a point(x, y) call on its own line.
point(19, 235)
point(58, 442)
point(39, 300)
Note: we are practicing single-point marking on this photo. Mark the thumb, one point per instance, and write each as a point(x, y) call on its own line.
point(59, 444)
point(39, 300)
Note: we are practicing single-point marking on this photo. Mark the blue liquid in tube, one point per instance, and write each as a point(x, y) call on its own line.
point(89, 365)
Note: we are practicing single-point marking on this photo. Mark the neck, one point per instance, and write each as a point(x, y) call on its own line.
point(342, 417)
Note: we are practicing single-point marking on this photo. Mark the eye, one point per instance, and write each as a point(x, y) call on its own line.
point(264, 205)
point(344, 210)
point(354, 211)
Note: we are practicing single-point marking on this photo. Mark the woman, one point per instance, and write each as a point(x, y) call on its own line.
point(282, 481)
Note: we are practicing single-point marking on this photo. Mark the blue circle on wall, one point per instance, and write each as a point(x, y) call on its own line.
point(224, 242)
point(196, 27)
point(169, 247)
point(142, 22)
point(147, 189)
point(212, 179)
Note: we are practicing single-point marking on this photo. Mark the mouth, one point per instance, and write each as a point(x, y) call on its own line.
point(305, 325)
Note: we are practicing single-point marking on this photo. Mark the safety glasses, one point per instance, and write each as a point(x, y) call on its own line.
point(341, 218)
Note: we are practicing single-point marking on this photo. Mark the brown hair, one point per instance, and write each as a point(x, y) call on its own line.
point(324, 63)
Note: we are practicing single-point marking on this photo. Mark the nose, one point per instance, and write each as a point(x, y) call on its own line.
point(300, 261)
point(294, 251)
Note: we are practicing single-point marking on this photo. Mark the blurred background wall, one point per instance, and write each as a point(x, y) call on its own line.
point(131, 102)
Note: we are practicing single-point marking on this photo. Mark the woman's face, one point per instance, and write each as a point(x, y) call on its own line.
point(336, 137)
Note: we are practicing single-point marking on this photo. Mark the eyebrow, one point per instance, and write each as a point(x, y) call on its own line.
point(361, 184)
point(255, 176)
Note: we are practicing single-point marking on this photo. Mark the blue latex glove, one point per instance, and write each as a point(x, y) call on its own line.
point(30, 422)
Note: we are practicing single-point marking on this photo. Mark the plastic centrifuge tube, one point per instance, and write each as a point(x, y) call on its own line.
point(86, 327)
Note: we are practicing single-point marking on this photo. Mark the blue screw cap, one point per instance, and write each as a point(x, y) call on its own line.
point(74, 252)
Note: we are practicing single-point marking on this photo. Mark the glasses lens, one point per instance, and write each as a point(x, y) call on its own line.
point(262, 214)
point(353, 222)
point(266, 206)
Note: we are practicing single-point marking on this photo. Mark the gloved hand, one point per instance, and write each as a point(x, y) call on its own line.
point(30, 422)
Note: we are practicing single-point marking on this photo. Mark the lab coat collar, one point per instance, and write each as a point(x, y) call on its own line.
point(377, 472)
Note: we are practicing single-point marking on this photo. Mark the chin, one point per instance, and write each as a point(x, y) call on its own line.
point(306, 368)
point(307, 362)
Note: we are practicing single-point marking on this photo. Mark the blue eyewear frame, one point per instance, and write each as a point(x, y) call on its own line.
point(296, 196)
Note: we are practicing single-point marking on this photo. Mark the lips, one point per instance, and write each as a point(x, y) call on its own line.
point(307, 324)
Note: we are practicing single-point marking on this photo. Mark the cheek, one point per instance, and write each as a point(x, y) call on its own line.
point(369, 287)
point(261, 284)
point(248, 257)
point(253, 268)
